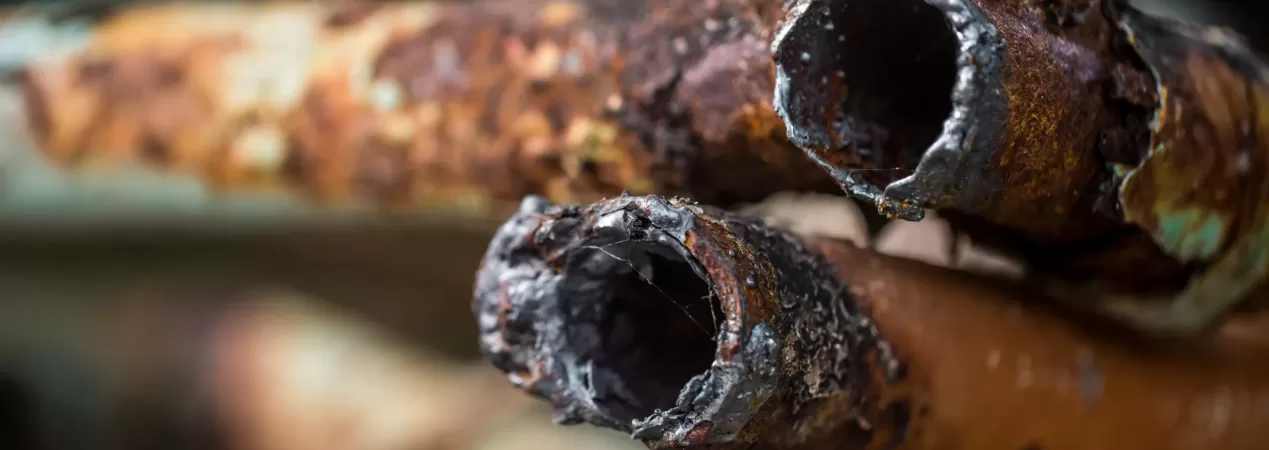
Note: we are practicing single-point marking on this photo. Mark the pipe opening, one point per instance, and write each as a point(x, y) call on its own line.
point(653, 337)
point(896, 60)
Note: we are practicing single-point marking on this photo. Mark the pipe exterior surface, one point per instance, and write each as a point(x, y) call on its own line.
point(1120, 154)
point(817, 344)
point(422, 103)
point(997, 111)
point(1200, 189)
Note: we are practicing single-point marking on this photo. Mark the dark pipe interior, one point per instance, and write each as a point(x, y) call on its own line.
point(653, 337)
point(897, 59)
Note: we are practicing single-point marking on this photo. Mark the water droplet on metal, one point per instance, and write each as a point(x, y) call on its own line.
point(751, 281)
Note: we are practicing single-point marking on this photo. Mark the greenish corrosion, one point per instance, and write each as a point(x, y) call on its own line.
point(1201, 189)
point(1192, 233)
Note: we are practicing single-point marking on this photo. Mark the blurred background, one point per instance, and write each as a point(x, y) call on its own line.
point(140, 310)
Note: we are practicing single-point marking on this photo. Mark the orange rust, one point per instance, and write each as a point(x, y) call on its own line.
point(408, 104)
point(1047, 159)
point(729, 260)
point(986, 370)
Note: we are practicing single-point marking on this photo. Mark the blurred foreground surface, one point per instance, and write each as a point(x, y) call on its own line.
point(99, 364)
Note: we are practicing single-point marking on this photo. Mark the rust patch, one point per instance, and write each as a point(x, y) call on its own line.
point(412, 104)
point(1203, 180)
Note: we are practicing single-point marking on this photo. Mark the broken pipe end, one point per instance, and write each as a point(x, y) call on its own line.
point(649, 316)
point(864, 88)
point(993, 109)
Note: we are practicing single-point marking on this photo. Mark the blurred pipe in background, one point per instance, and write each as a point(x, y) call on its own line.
point(418, 105)
point(416, 281)
point(1246, 17)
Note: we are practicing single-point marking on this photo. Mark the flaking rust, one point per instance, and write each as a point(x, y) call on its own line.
point(408, 103)
point(1121, 155)
point(693, 328)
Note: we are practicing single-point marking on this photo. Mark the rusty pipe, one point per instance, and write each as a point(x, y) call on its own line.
point(1004, 115)
point(1121, 154)
point(403, 104)
point(692, 328)
point(1200, 187)
point(993, 108)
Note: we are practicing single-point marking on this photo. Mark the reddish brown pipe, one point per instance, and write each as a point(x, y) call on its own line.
point(994, 374)
point(692, 328)
point(422, 103)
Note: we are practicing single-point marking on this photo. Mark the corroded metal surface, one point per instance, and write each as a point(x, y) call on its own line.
point(406, 104)
point(823, 345)
point(994, 108)
point(1003, 114)
point(562, 298)
point(1047, 147)
point(1201, 189)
